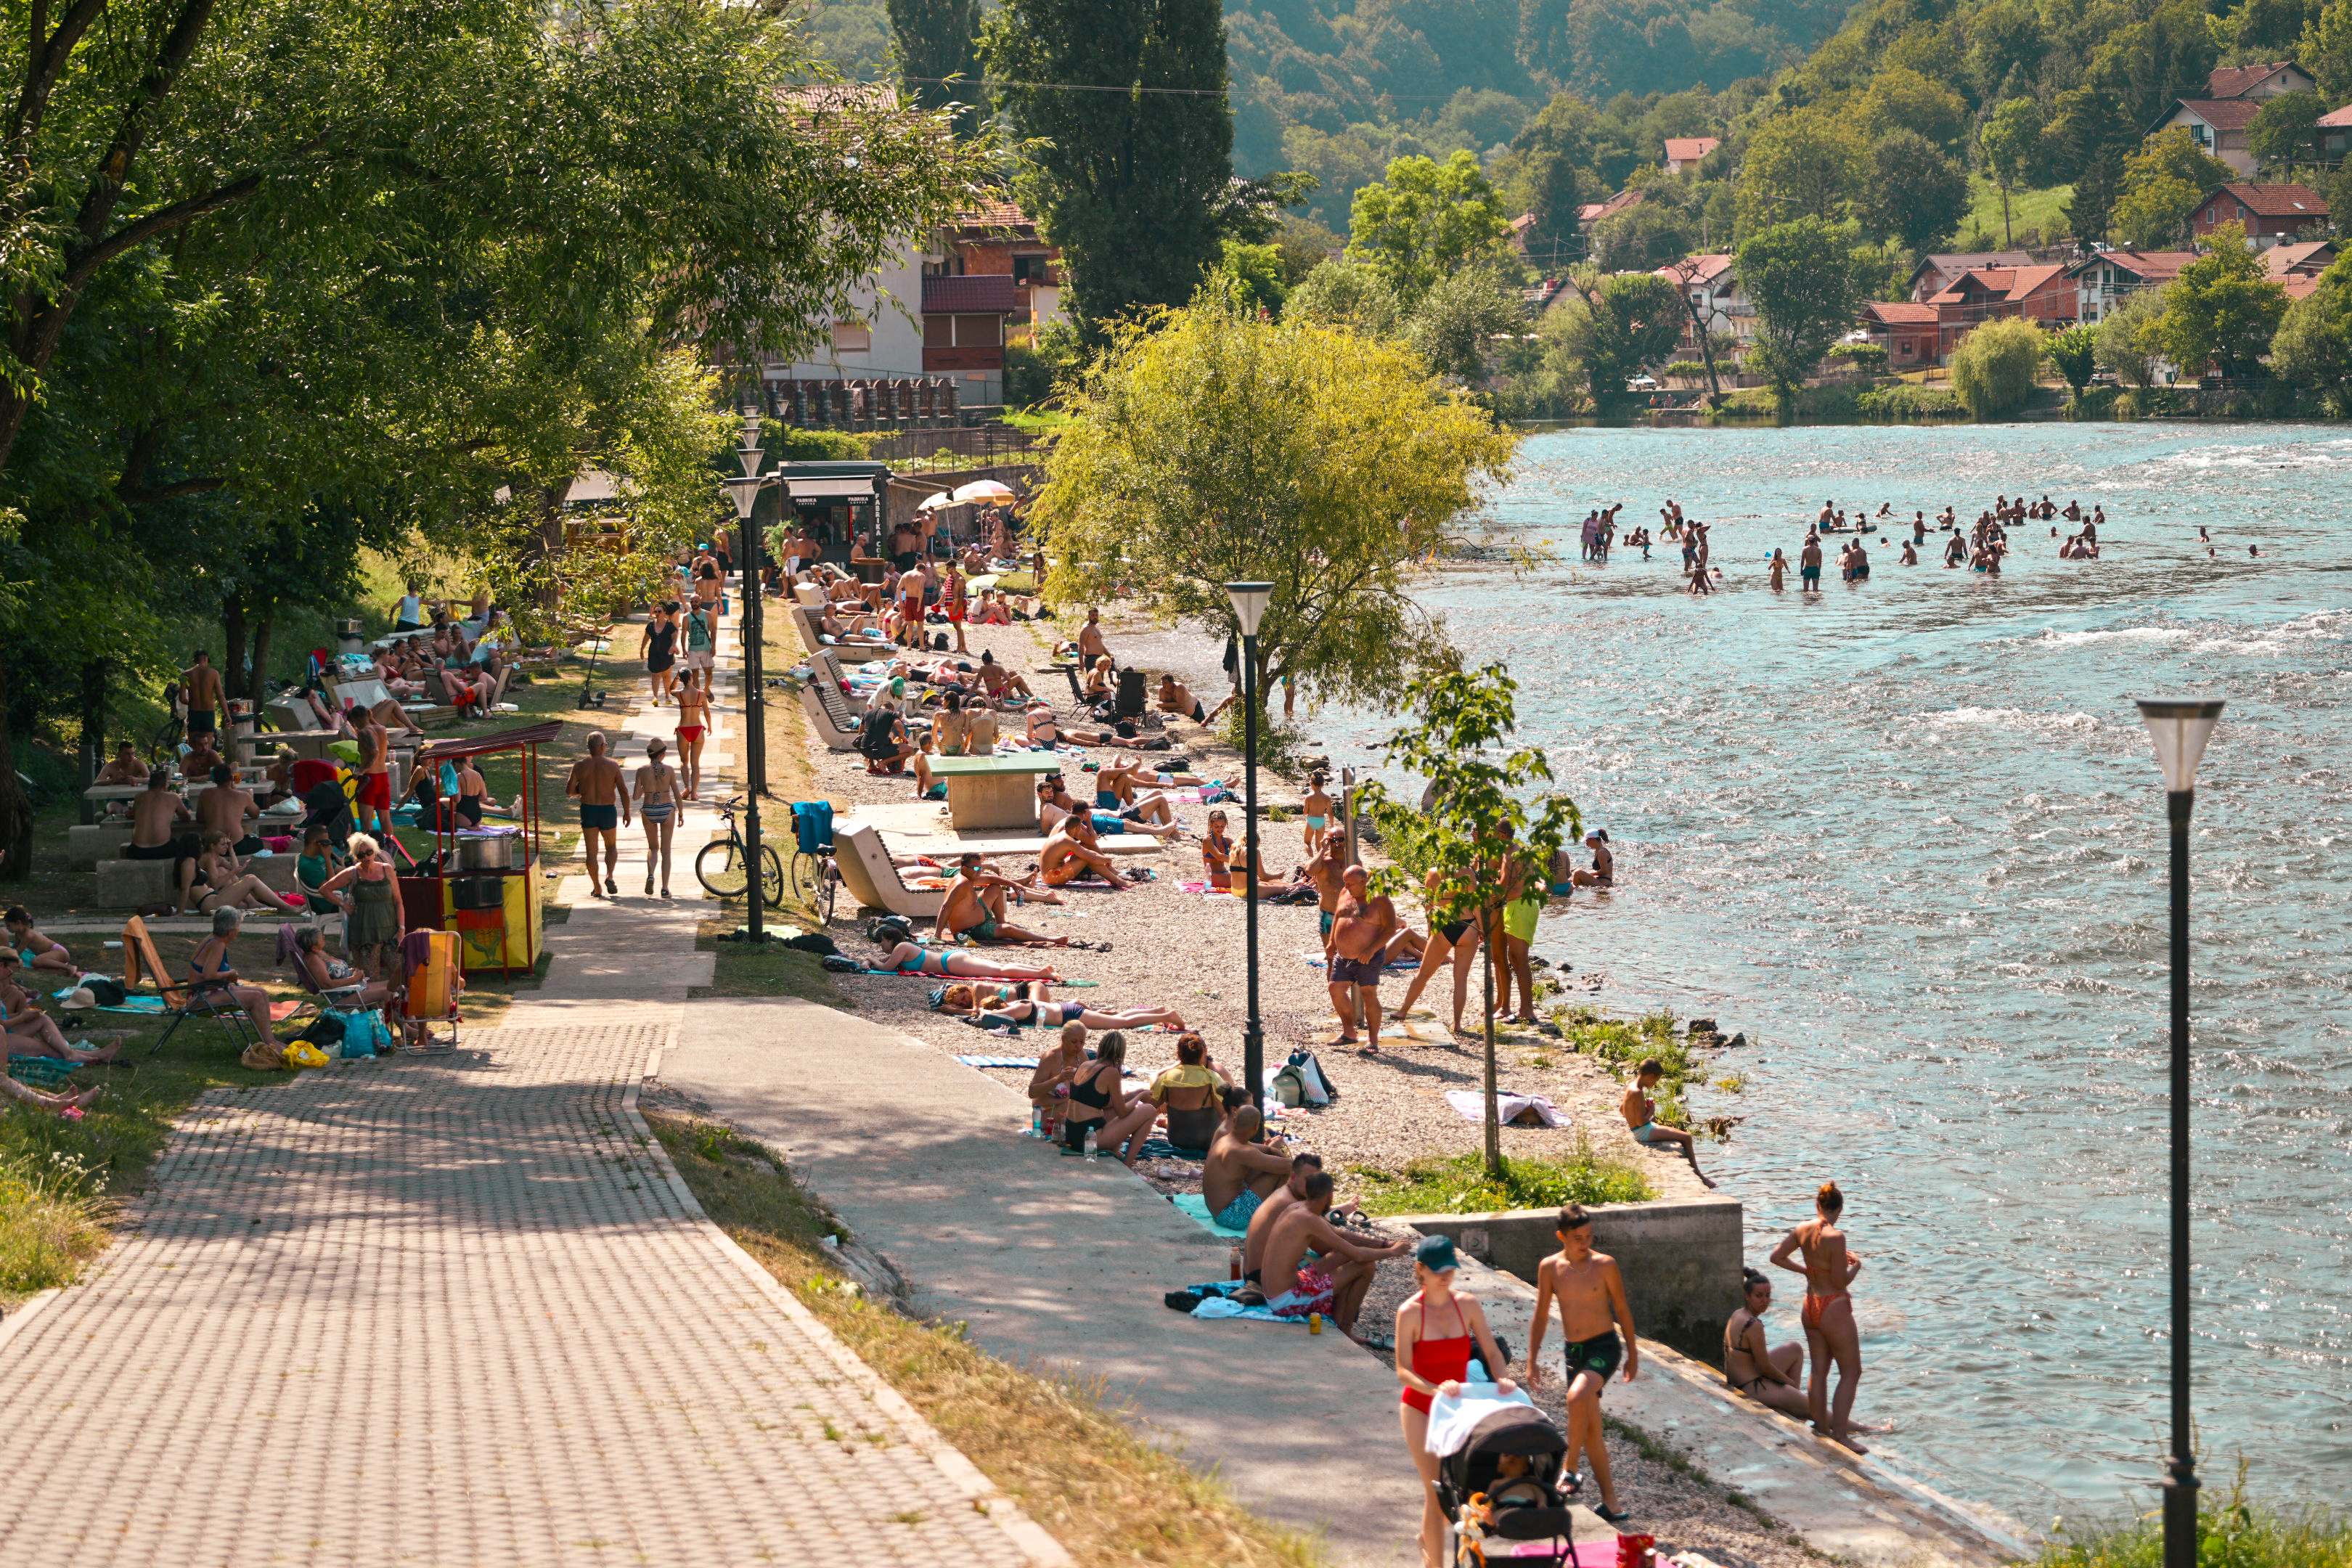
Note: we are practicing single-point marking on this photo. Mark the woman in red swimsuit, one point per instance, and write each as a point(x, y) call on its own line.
point(1435, 1329)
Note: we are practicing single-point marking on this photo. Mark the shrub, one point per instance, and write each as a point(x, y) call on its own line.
point(1994, 368)
point(792, 444)
point(1688, 369)
point(51, 1219)
point(1460, 1183)
point(1870, 357)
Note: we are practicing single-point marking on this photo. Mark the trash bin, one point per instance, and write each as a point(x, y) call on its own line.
point(1130, 694)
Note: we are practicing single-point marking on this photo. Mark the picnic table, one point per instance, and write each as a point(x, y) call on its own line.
point(994, 791)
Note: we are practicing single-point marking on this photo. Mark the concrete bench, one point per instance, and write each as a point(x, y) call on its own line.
point(134, 884)
point(89, 842)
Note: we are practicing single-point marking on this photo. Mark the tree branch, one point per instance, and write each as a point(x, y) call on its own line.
point(163, 220)
point(44, 63)
point(131, 133)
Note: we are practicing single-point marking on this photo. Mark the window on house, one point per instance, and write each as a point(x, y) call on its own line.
point(978, 331)
point(852, 338)
point(939, 331)
point(1028, 270)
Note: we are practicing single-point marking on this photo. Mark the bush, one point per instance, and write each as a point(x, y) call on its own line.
point(1460, 1183)
point(51, 1219)
point(1869, 357)
point(1687, 369)
point(1907, 401)
point(792, 444)
point(1035, 370)
point(2232, 1534)
point(1994, 368)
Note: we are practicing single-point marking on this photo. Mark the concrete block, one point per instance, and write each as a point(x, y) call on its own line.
point(129, 884)
point(276, 871)
point(87, 844)
point(1680, 1257)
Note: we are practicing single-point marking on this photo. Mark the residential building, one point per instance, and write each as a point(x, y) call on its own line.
point(2298, 265)
point(2218, 126)
point(2259, 81)
point(2042, 295)
point(2335, 133)
point(1001, 240)
point(1935, 272)
point(1520, 228)
point(1905, 329)
point(1685, 151)
point(1713, 286)
point(2272, 215)
point(2103, 282)
point(1593, 212)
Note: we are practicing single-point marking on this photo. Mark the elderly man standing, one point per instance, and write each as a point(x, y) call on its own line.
point(1361, 930)
point(596, 781)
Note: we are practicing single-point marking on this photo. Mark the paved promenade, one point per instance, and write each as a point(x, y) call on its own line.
point(457, 1309)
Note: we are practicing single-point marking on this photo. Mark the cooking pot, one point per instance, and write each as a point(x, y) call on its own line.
point(495, 853)
point(478, 892)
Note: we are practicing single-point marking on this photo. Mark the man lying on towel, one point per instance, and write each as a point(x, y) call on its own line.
point(1335, 1283)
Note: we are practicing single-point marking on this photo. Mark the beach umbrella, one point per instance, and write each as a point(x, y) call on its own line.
point(987, 492)
point(933, 503)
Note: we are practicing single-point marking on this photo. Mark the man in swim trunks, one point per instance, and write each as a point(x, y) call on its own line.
point(975, 903)
point(596, 781)
point(204, 689)
point(1593, 1313)
point(1641, 1113)
point(1361, 930)
point(1334, 1283)
point(1809, 562)
point(1072, 850)
point(1241, 1168)
point(1324, 871)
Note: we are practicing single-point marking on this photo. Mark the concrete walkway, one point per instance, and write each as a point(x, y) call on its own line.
point(460, 1310)
point(1055, 1263)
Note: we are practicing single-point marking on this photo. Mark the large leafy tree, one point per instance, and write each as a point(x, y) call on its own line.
point(1799, 277)
point(2012, 143)
point(1993, 368)
point(2127, 341)
point(1800, 165)
point(2286, 132)
point(1456, 325)
point(1427, 221)
point(939, 43)
point(1127, 182)
point(1911, 192)
point(2313, 346)
point(1218, 447)
point(1602, 335)
point(2326, 49)
point(2161, 184)
point(2223, 309)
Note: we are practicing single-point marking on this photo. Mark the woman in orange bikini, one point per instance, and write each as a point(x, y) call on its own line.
point(693, 719)
point(1830, 1331)
point(1438, 1330)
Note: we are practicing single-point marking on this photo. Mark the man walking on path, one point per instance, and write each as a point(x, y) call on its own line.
point(597, 783)
point(203, 683)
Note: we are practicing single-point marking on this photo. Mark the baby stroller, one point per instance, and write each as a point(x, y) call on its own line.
point(1504, 1487)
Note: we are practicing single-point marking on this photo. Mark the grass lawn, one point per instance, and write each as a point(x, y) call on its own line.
point(2039, 210)
point(1073, 1465)
point(1461, 1184)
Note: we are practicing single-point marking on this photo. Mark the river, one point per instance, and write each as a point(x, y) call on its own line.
point(1909, 836)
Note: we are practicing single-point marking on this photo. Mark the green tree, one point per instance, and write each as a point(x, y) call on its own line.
point(1459, 320)
point(1993, 368)
point(1899, 99)
point(2313, 347)
point(2012, 143)
point(1799, 166)
point(2089, 121)
point(1603, 336)
point(940, 39)
point(1486, 814)
point(2161, 184)
point(2151, 62)
point(1799, 277)
point(2090, 212)
point(1427, 221)
point(1216, 448)
point(2074, 354)
point(1911, 192)
point(1644, 236)
point(2127, 337)
point(2223, 309)
point(1344, 294)
point(2326, 50)
point(1128, 183)
point(2286, 132)
point(1258, 269)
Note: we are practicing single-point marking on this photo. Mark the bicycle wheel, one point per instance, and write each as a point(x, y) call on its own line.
point(772, 878)
point(828, 884)
point(720, 867)
point(807, 874)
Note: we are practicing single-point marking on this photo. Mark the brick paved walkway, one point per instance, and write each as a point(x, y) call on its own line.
point(455, 1310)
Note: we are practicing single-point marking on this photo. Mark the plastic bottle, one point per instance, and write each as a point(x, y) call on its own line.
point(1091, 1143)
point(1036, 1121)
point(1234, 1263)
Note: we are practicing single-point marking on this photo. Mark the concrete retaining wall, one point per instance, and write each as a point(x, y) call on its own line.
point(1680, 1258)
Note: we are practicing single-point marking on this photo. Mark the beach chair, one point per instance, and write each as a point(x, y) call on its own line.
point(183, 1000)
point(822, 722)
point(812, 639)
point(433, 990)
point(867, 871)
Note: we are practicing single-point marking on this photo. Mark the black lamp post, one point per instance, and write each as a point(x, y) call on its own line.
point(2180, 730)
point(1249, 609)
point(745, 490)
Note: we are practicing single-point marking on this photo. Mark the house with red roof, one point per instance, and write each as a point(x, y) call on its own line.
point(1593, 212)
point(2298, 265)
point(1905, 329)
point(1685, 152)
point(2233, 96)
point(1936, 270)
point(1712, 285)
point(2042, 295)
point(2335, 133)
point(2104, 280)
point(2272, 213)
point(2259, 81)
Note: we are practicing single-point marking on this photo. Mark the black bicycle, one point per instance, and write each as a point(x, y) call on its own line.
point(723, 865)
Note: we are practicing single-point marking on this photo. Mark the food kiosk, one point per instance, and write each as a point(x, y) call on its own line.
point(484, 883)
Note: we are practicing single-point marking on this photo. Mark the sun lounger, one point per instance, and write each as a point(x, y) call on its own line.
point(821, 716)
point(870, 877)
point(812, 637)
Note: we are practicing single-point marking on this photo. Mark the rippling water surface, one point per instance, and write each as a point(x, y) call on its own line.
point(1911, 835)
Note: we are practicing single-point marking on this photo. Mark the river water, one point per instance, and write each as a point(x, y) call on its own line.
point(1910, 835)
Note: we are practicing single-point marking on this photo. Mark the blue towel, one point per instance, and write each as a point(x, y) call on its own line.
point(1217, 1306)
point(998, 1061)
point(1195, 1207)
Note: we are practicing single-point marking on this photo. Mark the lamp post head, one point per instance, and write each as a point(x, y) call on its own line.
point(2180, 727)
point(744, 490)
point(1250, 600)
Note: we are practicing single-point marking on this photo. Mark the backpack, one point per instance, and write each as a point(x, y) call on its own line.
point(1287, 1087)
point(1312, 1078)
point(889, 931)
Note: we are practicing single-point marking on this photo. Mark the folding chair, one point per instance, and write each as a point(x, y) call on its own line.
point(182, 999)
point(433, 990)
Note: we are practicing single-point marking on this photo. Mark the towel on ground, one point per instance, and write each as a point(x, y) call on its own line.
point(1195, 1207)
point(1508, 1107)
point(1204, 887)
point(1453, 1417)
point(998, 1061)
point(1213, 1304)
point(1158, 1147)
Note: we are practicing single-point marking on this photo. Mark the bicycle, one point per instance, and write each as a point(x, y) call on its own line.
point(723, 865)
point(816, 880)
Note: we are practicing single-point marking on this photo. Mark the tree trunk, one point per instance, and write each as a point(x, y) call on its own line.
point(232, 664)
point(1494, 1120)
point(16, 812)
point(2004, 218)
point(260, 673)
point(93, 723)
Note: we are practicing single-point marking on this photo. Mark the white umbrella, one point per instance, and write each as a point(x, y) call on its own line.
point(986, 491)
point(934, 501)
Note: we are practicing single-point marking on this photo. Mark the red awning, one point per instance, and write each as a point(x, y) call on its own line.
point(481, 745)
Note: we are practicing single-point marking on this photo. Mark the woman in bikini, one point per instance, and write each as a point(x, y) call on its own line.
point(655, 790)
point(337, 982)
point(1455, 939)
point(908, 958)
point(1316, 806)
point(1604, 863)
point(1438, 1329)
point(1217, 852)
point(1038, 1009)
point(693, 723)
point(1099, 1101)
point(223, 883)
point(1830, 1331)
point(1766, 1374)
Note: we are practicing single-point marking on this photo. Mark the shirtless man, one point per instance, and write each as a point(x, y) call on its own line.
point(1830, 1331)
point(1054, 802)
point(1049, 1086)
point(1361, 930)
point(1090, 640)
point(1335, 1283)
point(1641, 1114)
point(1858, 565)
point(376, 776)
point(596, 781)
point(998, 681)
point(911, 605)
point(1324, 871)
point(1765, 1372)
point(204, 686)
point(975, 903)
point(224, 808)
point(156, 813)
point(1072, 849)
point(1809, 564)
point(125, 768)
point(1243, 1169)
point(1593, 1312)
point(201, 756)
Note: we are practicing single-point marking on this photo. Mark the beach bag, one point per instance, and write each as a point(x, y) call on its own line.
point(889, 931)
point(1311, 1079)
point(263, 1057)
point(303, 1053)
point(1288, 1088)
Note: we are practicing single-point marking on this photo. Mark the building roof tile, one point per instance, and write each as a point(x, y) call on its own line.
point(2276, 201)
point(2311, 257)
point(1901, 312)
point(977, 294)
point(2220, 114)
point(1593, 212)
point(1698, 268)
point(2148, 266)
point(1690, 149)
point(2235, 81)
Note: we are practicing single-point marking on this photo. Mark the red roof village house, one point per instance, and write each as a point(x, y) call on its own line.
point(1712, 284)
point(1905, 329)
point(2298, 266)
point(2272, 214)
point(1685, 152)
point(2102, 280)
point(2233, 96)
point(2043, 295)
point(1936, 272)
point(2259, 81)
point(1593, 212)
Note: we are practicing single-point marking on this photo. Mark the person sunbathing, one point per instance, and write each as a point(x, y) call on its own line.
point(991, 1004)
point(1243, 1168)
point(29, 1032)
point(1335, 1282)
point(912, 958)
point(1000, 682)
point(222, 882)
point(1073, 851)
point(1054, 802)
point(42, 1101)
point(337, 982)
point(1044, 730)
point(38, 951)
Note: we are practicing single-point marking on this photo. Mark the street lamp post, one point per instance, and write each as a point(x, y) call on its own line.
point(744, 489)
point(2180, 730)
point(1249, 609)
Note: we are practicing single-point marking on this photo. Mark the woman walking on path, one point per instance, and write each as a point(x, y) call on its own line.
point(656, 790)
point(1458, 939)
point(659, 650)
point(1830, 1331)
point(693, 723)
point(1437, 1331)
